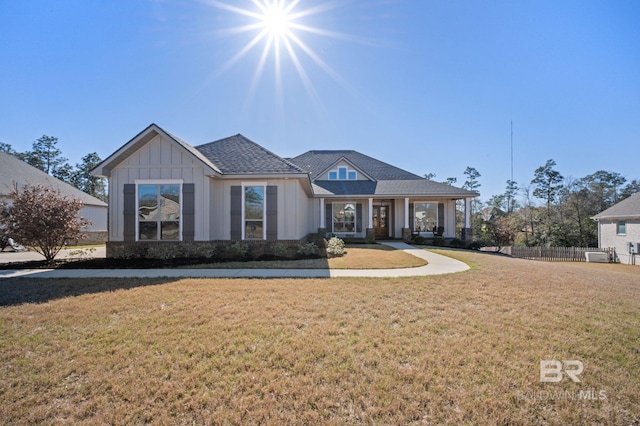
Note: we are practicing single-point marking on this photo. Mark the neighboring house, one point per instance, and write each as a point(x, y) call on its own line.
point(618, 226)
point(15, 173)
point(163, 189)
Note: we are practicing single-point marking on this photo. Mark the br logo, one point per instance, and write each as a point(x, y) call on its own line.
point(551, 370)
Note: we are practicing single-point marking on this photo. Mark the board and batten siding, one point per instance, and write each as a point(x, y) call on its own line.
point(294, 220)
point(159, 159)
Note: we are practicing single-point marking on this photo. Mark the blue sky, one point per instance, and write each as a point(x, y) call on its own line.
point(429, 86)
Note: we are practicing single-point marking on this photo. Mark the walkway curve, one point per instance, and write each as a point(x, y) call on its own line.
point(437, 265)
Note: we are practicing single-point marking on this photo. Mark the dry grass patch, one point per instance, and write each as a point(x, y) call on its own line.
point(358, 256)
point(462, 348)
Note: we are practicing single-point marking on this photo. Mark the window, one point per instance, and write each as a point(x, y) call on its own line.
point(254, 212)
point(425, 217)
point(343, 173)
point(344, 217)
point(621, 227)
point(159, 211)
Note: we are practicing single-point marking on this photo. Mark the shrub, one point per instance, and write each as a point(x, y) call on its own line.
point(418, 239)
point(457, 242)
point(308, 249)
point(438, 242)
point(207, 251)
point(239, 249)
point(279, 249)
point(161, 251)
point(476, 245)
point(335, 247)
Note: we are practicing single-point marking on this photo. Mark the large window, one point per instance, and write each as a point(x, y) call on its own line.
point(344, 217)
point(621, 227)
point(425, 217)
point(159, 211)
point(254, 212)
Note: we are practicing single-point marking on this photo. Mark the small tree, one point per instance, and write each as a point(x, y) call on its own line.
point(43, 219)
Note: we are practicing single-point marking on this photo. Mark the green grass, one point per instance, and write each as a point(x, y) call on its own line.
point(462, 348)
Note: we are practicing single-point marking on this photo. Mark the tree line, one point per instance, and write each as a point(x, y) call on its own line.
point(46, 156)
point(550, 210)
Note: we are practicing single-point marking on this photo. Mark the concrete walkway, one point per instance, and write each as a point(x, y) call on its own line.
point(437, 265)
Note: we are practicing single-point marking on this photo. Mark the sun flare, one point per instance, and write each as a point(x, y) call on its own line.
point(276, 20)
point(279, 26)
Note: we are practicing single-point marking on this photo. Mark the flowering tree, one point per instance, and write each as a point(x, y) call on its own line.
point(43, 219)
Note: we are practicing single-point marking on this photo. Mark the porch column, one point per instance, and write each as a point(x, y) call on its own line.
point(467, 212)
point(467, 232)
point(322, 218)
point(370, 234)
point(406, 213)
point(406, 232)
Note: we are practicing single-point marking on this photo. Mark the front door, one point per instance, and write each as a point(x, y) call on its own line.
point(381, 220)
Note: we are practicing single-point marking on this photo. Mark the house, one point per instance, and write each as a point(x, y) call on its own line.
point(619, 227)
point(164, 190)
point(15, 173)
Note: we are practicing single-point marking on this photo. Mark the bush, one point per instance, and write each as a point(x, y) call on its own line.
point(476, 245)
point(161, 251)
point(206, 251)
point(418, 239)
point(308, 250)
point(335, 247)
point(279, 249)
point(456, 242)
point(239, 250)
point(438, 242)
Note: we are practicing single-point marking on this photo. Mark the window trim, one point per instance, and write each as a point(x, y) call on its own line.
point(624, 225)
point(355, 217)
point(245, 185)
point(158, 182)
point(435, 203)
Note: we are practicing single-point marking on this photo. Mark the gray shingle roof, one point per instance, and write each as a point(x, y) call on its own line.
point(629, 207)
point(412, 187)
point(316, 162)
point(15, 171)
point(240, 155)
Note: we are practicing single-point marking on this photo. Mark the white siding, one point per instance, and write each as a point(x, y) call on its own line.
point(609, 238)
point(161, 158)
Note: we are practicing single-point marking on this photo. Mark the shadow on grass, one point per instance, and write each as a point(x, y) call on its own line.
point(17, 291)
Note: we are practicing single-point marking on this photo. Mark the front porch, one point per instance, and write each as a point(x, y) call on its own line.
point(370, 219)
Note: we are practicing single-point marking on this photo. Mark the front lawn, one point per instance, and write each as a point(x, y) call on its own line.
point(462, 348)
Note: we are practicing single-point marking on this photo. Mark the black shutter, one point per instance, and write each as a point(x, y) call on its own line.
point(236, 213)
point(328, 217)
point(440, 214)
point(358, 217)
point(272, 212)
point(129, 212)
point(188, 211)
point(411, 218)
